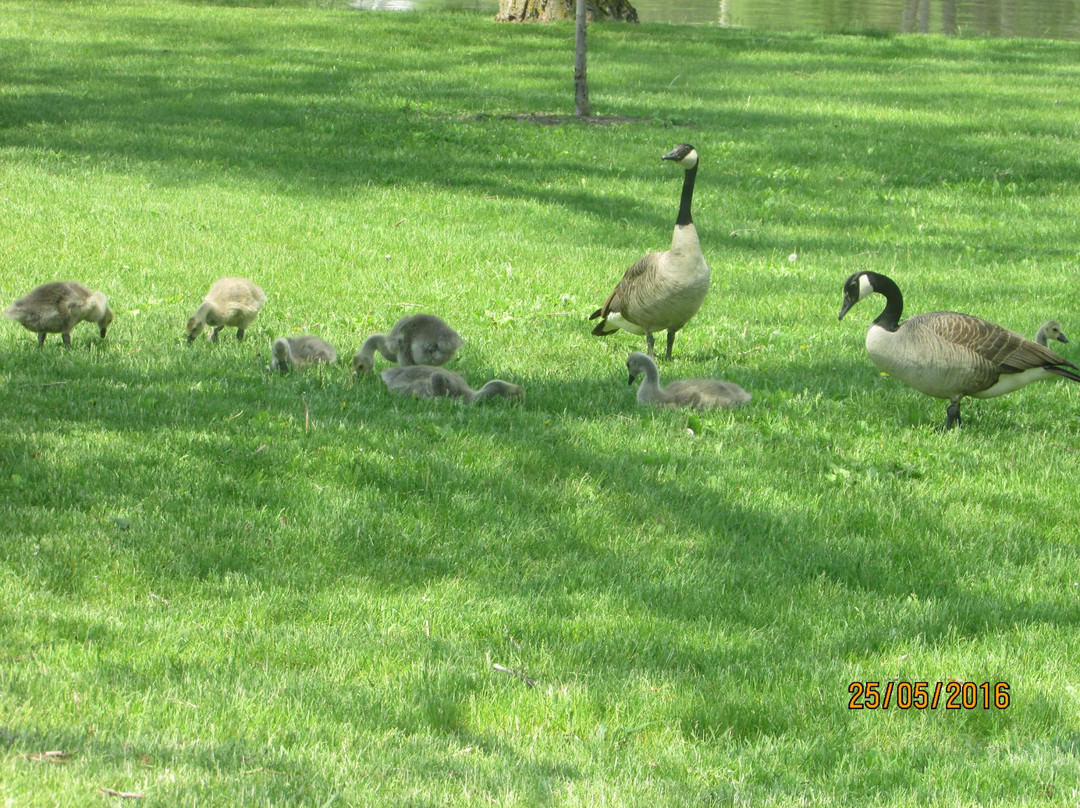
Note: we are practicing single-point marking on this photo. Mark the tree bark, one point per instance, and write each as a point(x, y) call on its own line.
point(581, 84)
point(548, 10)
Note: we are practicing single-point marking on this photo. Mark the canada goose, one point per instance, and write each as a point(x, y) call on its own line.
point(949, 355)
point(230, 302)
point(701, 394)
point(417, 339)
point(663, 290)
point(1049, 330)
point(425, 381)
point(57, 307)
point(300, 351)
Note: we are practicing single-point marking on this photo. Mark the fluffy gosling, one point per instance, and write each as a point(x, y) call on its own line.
point(701, 394)
point(416, 339)
point(425, 381)
point(231, 302)
point(57, 307)
point(1049, 330)
point(300, 351)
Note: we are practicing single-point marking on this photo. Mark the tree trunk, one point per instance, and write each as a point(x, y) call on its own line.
point(581, 84)
point(548, 10)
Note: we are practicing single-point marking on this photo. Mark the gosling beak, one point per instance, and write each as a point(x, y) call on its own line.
point(1060, 338)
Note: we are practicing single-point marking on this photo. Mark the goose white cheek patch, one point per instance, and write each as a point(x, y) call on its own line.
point(865, 289)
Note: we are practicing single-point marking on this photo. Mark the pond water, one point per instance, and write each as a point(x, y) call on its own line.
point(1047, 19)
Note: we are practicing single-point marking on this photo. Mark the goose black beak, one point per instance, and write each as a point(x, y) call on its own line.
point(679, 152)
point(848, 303)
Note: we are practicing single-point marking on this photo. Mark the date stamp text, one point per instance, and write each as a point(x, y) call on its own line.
point(950, 695)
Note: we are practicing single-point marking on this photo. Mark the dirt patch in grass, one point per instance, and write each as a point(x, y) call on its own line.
point(545, 119)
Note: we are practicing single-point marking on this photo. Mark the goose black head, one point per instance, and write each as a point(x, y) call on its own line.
point(684, 154)
point(856, 287)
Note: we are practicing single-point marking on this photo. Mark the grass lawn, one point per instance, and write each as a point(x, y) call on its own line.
point(220, 587)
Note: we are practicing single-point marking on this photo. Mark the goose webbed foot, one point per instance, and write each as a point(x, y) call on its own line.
point(953, 413)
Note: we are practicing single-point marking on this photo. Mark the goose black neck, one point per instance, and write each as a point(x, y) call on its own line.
point(687, 197)
point(889, 319)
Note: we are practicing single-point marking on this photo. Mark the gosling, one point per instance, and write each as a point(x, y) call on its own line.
point(300, 351)
point(57, 307)
point(425, 381)
point(1049, 330)
point(417, 339)
point(231, 302)
point(701, 394)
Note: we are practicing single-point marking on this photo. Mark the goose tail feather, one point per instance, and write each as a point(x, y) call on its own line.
point(1060, 371)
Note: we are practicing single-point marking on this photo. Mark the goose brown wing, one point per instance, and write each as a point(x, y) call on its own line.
point(1005, 350)
point(628, 287)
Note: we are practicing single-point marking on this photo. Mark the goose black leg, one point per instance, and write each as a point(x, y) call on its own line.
point(953, 413)
point(649, 341)
point(670, 340)
point(67, 339)
point(41, 339)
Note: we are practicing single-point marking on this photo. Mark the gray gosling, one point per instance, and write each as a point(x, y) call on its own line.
point(1049, 330)
point(231, 302)
point(300, 351)
point(701, 394)
point(425, 381)
point(56, 308)
point(417, 339)
point(663, 290)
point(949, 355)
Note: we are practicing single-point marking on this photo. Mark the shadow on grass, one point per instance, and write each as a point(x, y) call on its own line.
point(568, 502)
point(301, 106)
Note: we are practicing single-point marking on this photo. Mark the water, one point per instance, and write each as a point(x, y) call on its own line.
point(1045, 19)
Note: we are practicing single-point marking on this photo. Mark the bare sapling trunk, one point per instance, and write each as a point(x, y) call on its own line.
point(549, 10)
point(581, 84)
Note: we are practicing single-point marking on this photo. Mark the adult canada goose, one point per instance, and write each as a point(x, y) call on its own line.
point(1049, 330)
point(426, 381)
point(701, 394)
point(416, 339)
point(663, 290)
point(300, 351)
point(230, 302)
point(949, 355)
point(57, 307)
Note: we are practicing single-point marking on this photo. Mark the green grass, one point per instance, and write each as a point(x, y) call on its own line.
point(221, 587)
